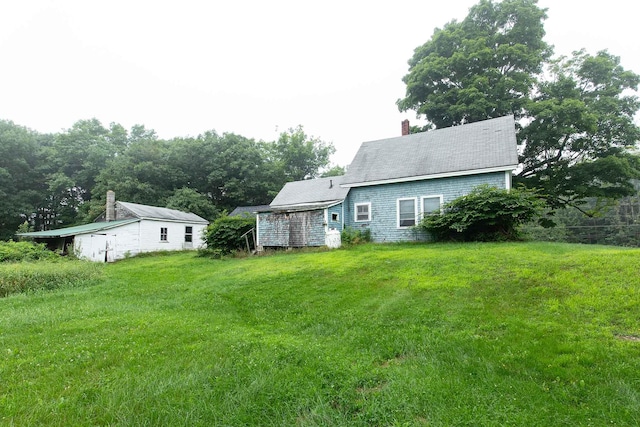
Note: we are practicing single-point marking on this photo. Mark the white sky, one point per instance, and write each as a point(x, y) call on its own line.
point(254, 68)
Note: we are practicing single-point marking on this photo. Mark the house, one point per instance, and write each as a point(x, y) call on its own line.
point(302, 213)
point(126, 229)
point(392, 183)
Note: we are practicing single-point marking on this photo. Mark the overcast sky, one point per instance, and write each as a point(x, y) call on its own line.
point(255, 68)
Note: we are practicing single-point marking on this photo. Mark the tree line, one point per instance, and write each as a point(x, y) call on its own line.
point(54, 180)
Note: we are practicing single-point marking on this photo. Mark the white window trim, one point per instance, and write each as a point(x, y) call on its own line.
point(433, 196)
point(355, 212)
point(415, 212)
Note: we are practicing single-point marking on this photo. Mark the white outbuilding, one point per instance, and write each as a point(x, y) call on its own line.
point(127, 229)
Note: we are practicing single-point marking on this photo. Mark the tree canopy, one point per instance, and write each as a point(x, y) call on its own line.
point(575, 115)
point(52, 181)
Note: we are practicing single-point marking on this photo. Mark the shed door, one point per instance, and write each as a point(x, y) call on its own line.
point(103, 248)
point(301, 225)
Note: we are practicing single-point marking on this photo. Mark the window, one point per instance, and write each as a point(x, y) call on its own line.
point(431, 205)
point(164, 234)
point(188, 234)
point(406, 212)
point(363, 212)
point(335, 217)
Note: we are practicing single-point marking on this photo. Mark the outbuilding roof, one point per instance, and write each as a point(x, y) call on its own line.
point(94, 227)
point(248, 210)
point(154, 212)
point(310, 193)
point(488, 145)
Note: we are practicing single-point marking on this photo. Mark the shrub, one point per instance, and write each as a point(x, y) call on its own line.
point(485, 214)
point(224, 235)
point(24, 251)
point(351, 236)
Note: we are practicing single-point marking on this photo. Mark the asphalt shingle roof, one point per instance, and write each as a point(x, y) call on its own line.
point(317, 192)
point(154, 212)
point(480, 145)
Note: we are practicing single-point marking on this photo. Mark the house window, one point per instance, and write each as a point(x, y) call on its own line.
point(188, 234)
point(335, 217)
point(406, 212)
point(363, 212)
point(164, 234)
point(431, 205)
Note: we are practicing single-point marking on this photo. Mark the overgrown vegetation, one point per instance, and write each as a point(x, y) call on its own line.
point(27, 277)
point(225, 234)
point(352, 236)
point(24, 251)
point(485, 214)
point(526, 334)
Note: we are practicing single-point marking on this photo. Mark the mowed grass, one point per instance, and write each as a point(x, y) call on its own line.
point(527, 334)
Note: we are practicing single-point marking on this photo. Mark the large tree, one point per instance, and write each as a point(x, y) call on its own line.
point(482, 67)
point(580, 124)
point(299, 156)
point(22, 185)
point(575, 121)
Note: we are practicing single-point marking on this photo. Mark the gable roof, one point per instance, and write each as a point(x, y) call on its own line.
point(484, 146)
point(158, 213)
point(310, 194)
point(93, 227)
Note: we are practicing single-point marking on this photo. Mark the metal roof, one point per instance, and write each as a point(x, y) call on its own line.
point(310, 192)
point(94, 227)
point(470, 148)
point(154, 212)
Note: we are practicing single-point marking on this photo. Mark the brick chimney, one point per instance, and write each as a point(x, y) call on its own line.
point(405, 127)
point(111, 206)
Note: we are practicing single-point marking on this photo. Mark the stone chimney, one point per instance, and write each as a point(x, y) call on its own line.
point(405, 127)
point(111, 206)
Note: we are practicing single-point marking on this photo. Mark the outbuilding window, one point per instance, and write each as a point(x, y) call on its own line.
point(362, 212)
point(164, 234)
point(188, 234)
point(407, 212)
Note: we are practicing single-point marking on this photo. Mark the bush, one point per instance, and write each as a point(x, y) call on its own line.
point(351, 236)
point(24, 251)
point(485, 214)
point(224, 235)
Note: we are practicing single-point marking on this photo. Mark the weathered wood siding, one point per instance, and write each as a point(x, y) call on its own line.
point(292, 229)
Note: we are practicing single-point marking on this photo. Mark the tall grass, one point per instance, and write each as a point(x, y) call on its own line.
point(34, 276)
point(436, 335)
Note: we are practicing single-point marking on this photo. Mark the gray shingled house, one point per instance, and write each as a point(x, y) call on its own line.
point(392, 183)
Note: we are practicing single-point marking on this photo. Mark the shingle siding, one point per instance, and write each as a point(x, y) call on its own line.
point(383, 199)
point(292, 229)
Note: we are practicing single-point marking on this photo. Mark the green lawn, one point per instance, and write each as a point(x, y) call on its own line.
point(525, 334)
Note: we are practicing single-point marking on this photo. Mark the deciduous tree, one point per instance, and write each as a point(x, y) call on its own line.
point(575, 122)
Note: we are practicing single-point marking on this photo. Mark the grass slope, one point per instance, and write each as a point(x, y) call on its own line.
point(534, 334)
